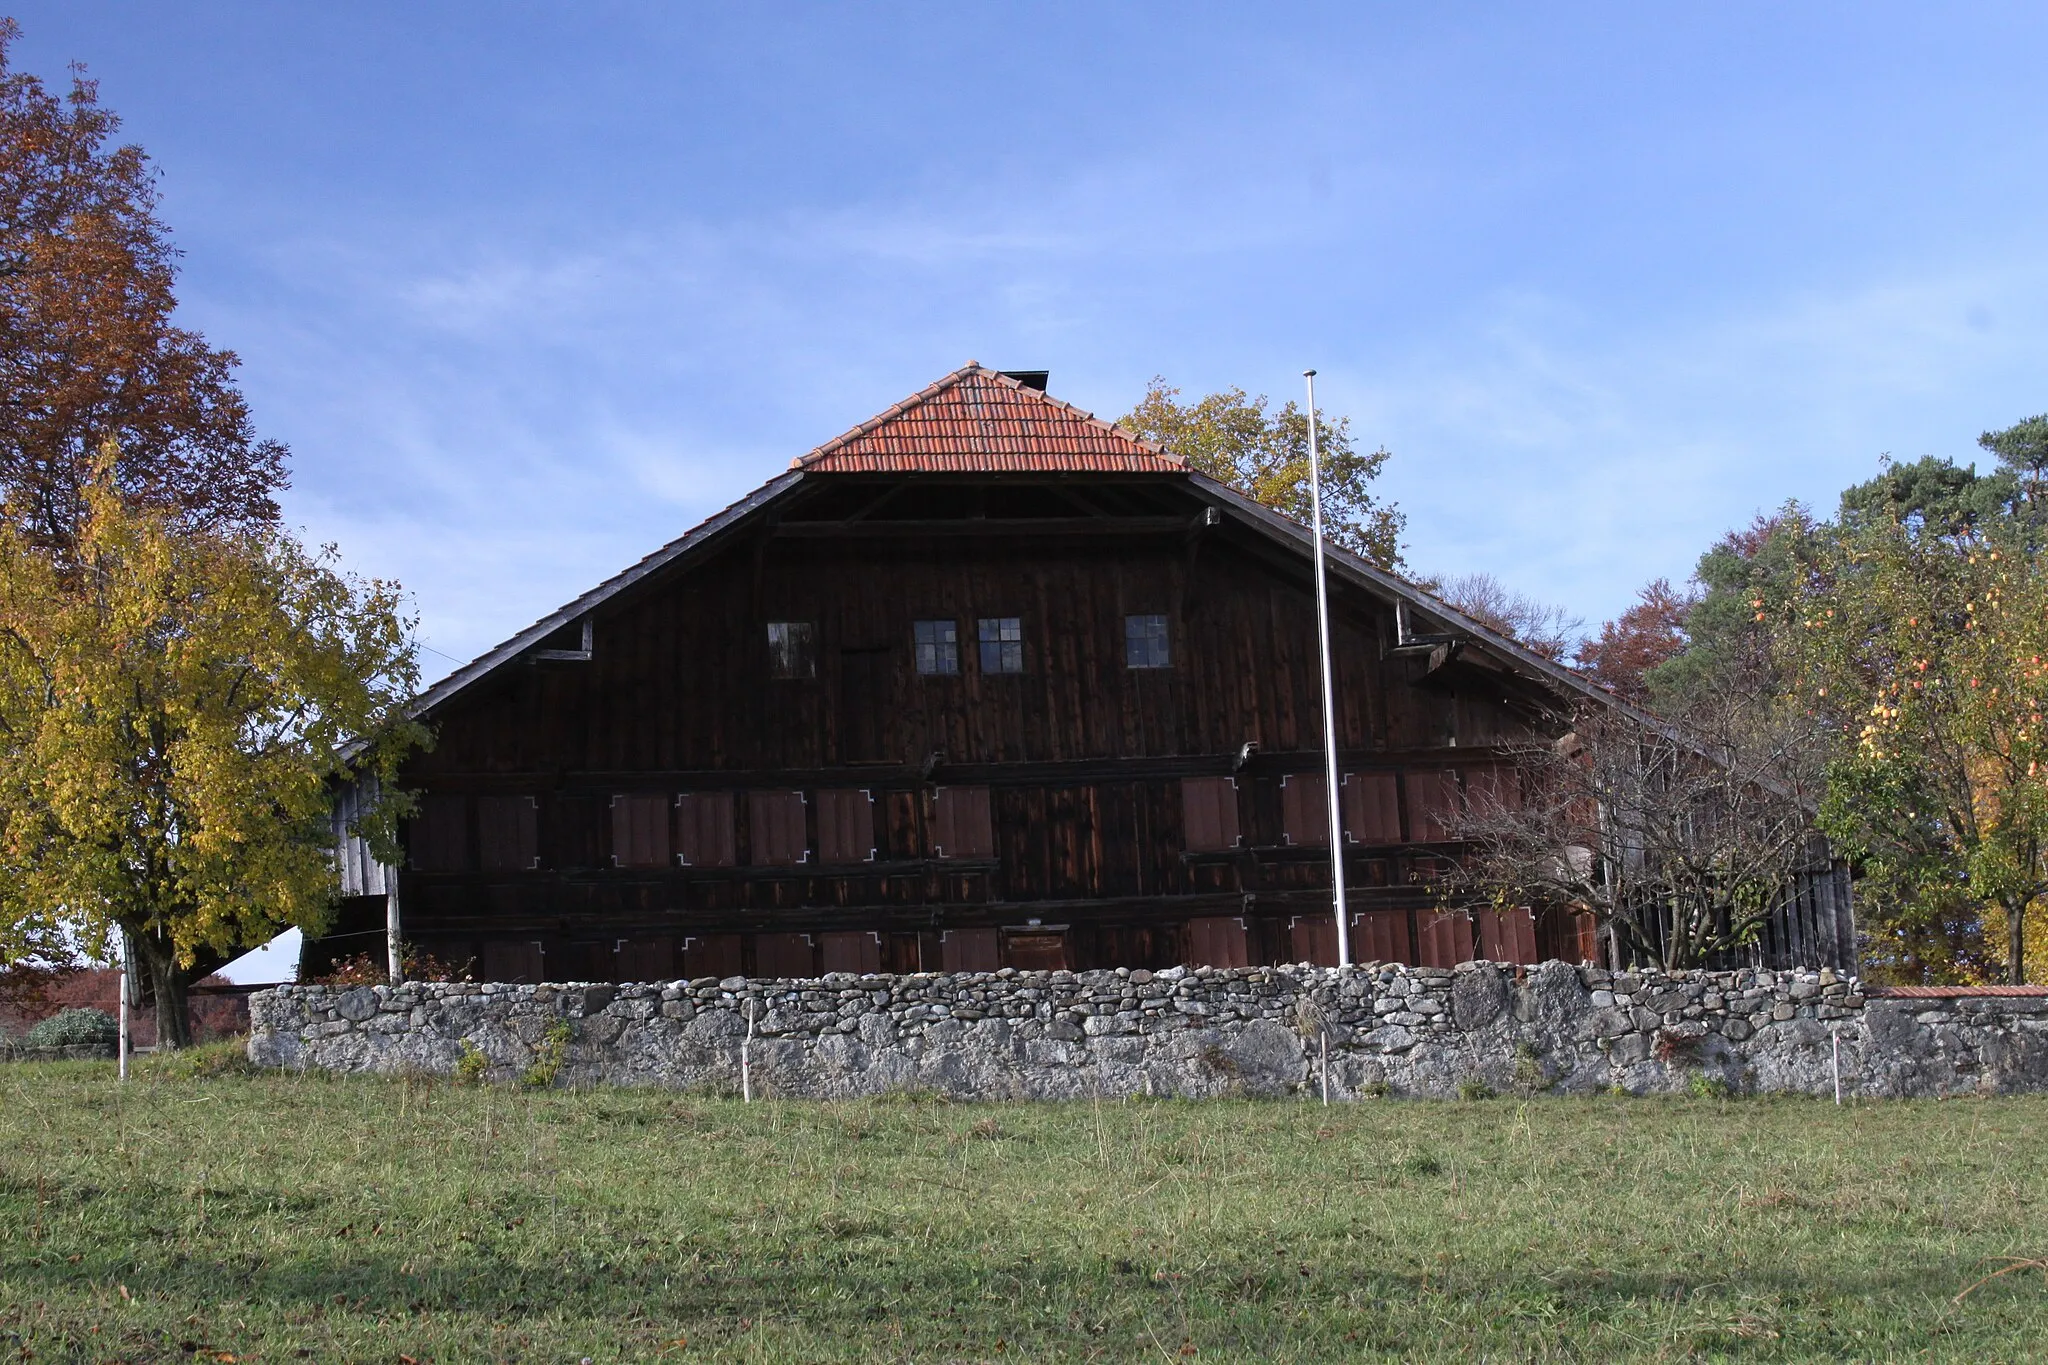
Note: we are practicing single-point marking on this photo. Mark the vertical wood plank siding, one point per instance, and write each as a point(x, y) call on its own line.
point(689, 812)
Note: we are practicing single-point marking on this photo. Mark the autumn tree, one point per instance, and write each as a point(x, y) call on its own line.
point(174, 705)
point(1651, 632)
point(1238, 440)
point(88, 350)
point(1922, 633)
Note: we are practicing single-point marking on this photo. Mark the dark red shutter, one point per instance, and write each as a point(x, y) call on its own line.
point(438, 837)
point(1217, 941)
point(846, 826)
point(969, 950)
point(960, 825)
point(704, 823)
point(851, 951)
point(508, 833)
point(1305, 811)
point(1433, 802)
point(1372, 808)
point(1209, 810)
point(1380, 936)
point(777, 821)
point(640, 831)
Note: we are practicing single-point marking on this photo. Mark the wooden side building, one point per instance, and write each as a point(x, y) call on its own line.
point(983, 682)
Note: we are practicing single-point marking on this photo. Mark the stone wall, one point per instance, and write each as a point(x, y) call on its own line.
point(1262, 1031)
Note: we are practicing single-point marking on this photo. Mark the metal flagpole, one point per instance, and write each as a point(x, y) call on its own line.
point(127, 969)
point(1315, 496)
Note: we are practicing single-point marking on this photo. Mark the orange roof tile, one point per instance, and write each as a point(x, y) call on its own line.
point(979, 421)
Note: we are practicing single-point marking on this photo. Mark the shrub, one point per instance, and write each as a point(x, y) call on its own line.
point(223, 1057)
point(1472, 1088)
point(373, 969)
point(1702, 1086)
point(549, 1056)
point(76, 1028)
point(472, 1067)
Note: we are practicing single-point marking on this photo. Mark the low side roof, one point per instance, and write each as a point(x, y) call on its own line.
point(977, 421)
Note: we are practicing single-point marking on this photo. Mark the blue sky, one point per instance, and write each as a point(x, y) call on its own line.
point(531, 289)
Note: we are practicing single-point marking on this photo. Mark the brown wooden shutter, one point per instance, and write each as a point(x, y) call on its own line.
point(777, 822)
point(716, 955)
point(1446, 939)
point(1494, 788)
point(704, 829)
point(960, 824)
point(438, 836)
point(1217, 941)
point(644, 959)
point(1209, 810)
point(518, 960)
point(1372, 808)
point(1305, 812)
point(846, 826)
point(1313, 938)
point(1432, 803)
point(508, 833)
point(1508, 935)
point(785, 955)
point(969, 950)
point(640, 831)
point(857, 952)
point(1380, 936)
point(1035, 950)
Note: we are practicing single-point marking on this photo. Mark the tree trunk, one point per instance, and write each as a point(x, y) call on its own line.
point(167, 982)
point(2016, 942)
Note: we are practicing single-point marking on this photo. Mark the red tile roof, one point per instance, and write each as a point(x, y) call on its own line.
point(978, 421)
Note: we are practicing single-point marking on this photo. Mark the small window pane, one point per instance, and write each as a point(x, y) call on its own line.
point(1002, 644)
point(789, 650)
point(1145, 642)
point(938, 646)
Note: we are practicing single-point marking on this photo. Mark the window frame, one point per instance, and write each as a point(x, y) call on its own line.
point(1004, 648)
point(939, 651)
point(793, 653)
point(1162, 637)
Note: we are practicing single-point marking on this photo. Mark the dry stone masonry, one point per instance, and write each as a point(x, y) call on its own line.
point(1387, 1030)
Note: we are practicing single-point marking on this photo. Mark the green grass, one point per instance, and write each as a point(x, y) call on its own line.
point(282, 1218)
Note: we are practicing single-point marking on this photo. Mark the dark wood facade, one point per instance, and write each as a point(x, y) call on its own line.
point(756, 753)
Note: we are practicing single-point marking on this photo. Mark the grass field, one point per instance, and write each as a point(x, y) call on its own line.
point(287, 1218)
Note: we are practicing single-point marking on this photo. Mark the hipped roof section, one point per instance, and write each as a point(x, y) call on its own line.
point(978, 421)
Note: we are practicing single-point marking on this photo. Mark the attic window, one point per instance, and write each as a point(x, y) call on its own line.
point(1145, 643)
point(791, 653)
point(938, 647)
point(1002, 644)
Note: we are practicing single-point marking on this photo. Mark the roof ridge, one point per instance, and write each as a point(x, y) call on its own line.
point(973, 369)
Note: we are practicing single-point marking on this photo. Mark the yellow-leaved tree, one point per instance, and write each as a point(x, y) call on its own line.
point(175, 704)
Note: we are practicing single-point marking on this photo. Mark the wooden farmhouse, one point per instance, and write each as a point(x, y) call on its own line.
point(983, 682)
